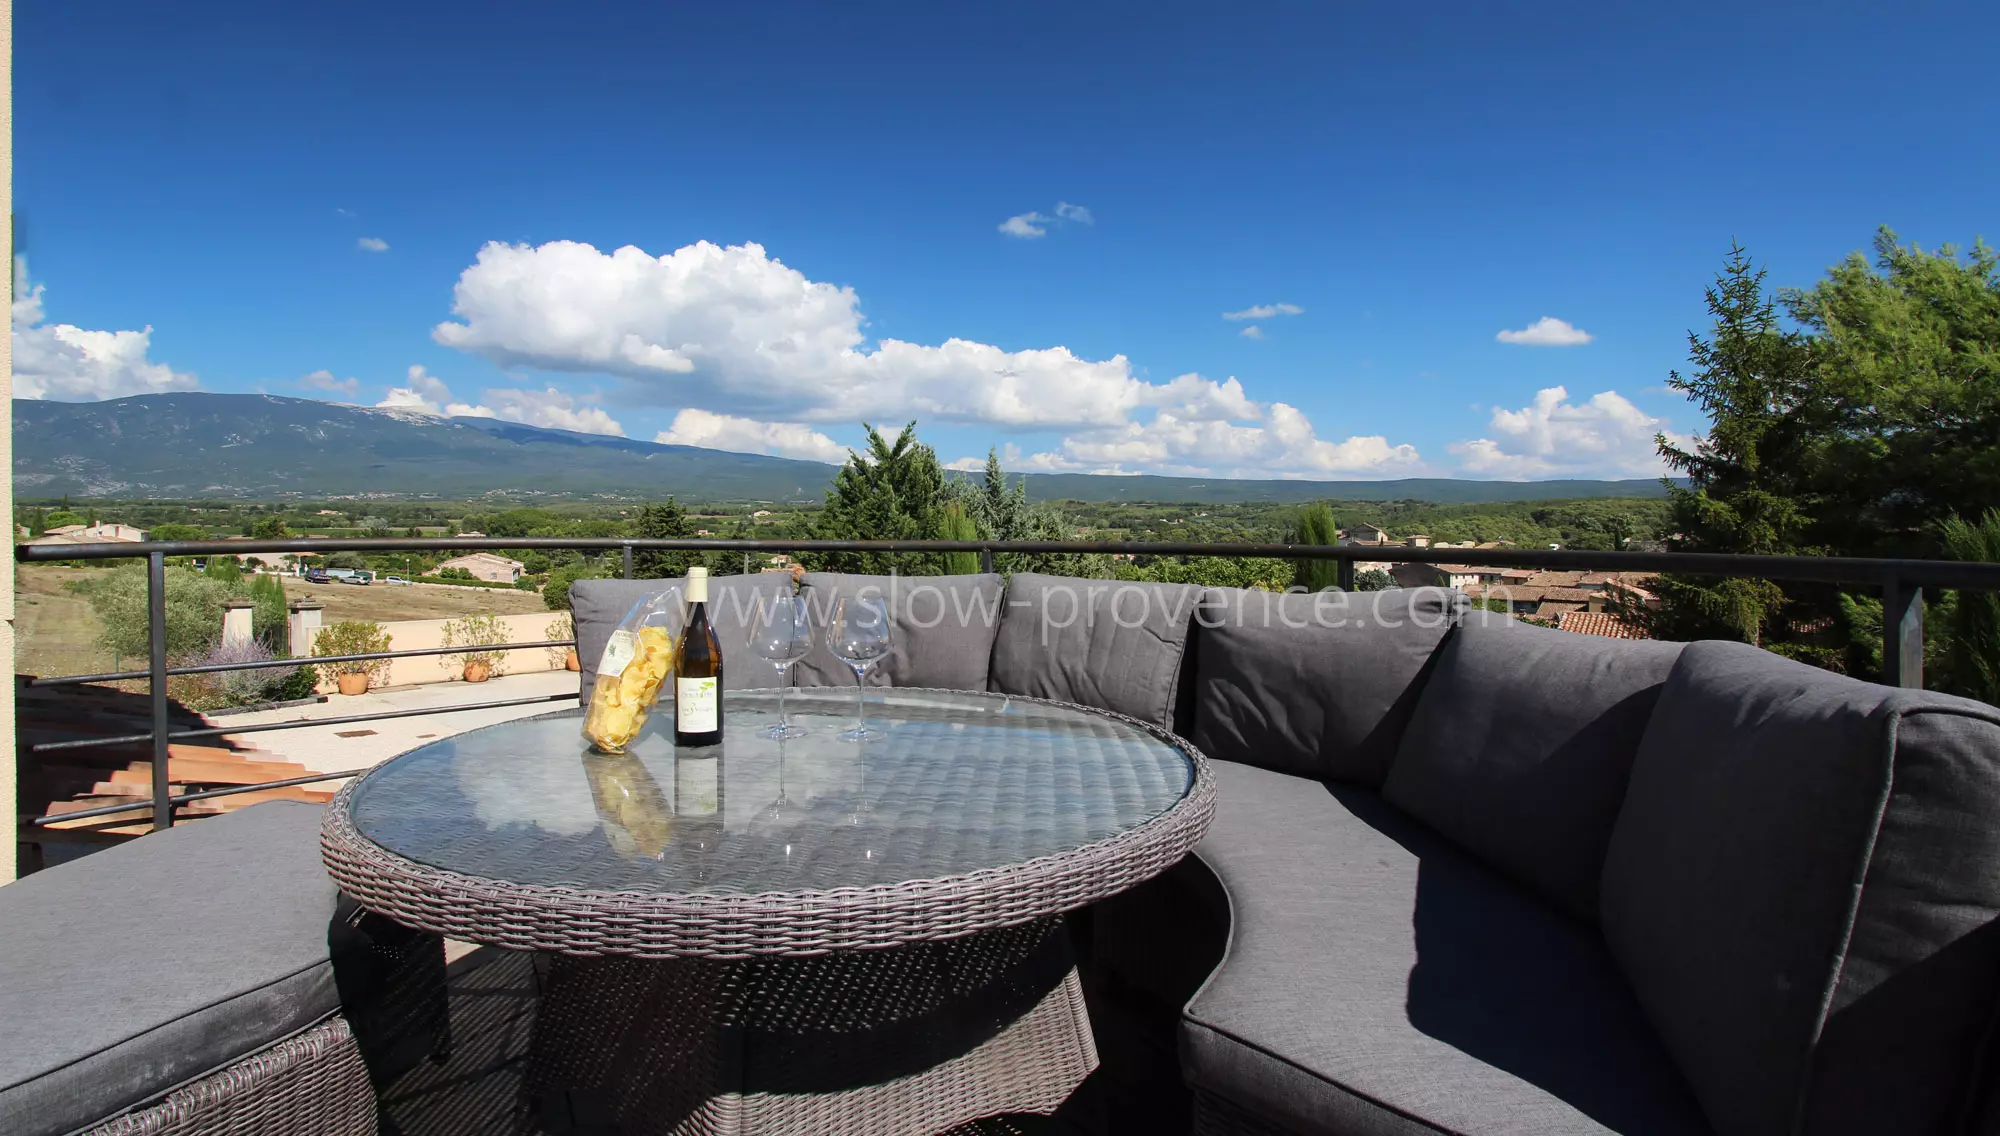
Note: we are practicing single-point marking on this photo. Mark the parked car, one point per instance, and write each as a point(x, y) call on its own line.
point(358, 576)
point(318, 576)
point(394, 580)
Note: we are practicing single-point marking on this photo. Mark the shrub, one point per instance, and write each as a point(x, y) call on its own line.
point(555, 594)
point(297, 684)
point(474, 633)
point(561, 627)
point(267, 618)
point(243, 687)
point(194, 610)
point(353, 637)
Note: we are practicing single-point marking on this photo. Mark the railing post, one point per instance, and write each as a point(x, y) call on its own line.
point(986, 560)
point(1902, 635)
point(1344, 574)
point(628, 561)
point(156, 642)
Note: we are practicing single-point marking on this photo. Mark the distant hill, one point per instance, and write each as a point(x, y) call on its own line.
point(263, 447)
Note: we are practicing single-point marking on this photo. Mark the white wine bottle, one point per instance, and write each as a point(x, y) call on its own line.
point(698, 677)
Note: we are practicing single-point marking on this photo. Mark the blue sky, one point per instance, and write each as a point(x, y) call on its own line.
point(1393, 185)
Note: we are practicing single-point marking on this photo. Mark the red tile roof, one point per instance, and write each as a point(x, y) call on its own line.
point(1601, 623)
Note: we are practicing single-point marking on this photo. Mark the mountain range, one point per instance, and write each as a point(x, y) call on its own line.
point(264, 447)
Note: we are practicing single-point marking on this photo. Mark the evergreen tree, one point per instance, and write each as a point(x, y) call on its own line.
point(889, 491)
point(956, 525)
point(1747, 478)
point(666, 521)
point(1314, 526)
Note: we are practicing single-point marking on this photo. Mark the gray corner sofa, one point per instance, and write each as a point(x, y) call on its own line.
point(1474, 876)
point(183, 982)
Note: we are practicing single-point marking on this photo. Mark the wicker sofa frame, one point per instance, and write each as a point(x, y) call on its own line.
point(313, 1082)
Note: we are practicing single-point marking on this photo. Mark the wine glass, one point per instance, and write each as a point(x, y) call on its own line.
point(781, 635)
point(859, 637)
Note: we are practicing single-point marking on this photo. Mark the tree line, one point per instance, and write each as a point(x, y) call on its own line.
point(1858, 417)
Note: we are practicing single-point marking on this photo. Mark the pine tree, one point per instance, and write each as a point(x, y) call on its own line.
point(1747, 488)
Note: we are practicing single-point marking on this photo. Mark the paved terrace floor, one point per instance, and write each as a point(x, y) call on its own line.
point(331, 749)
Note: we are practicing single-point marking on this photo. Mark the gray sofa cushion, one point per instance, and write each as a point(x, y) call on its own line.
point(1379, 980)
point(1521, 744)
point(108, 996)
point(941, 629)
point(1317, 684)
point(1112, 644)
point(1804, 890)
point(601, 605)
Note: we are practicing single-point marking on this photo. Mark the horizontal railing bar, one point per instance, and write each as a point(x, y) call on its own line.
point(1823, 569)
point(205, 794)
point(297, 723)
point(306, 661)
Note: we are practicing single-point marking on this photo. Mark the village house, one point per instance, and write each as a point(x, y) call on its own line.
point(484, 566)
point(91, 534)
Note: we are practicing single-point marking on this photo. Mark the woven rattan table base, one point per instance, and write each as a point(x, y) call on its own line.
point(905, 1040)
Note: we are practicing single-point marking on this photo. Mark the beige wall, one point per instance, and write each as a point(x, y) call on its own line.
point(8, 813)
point(418, 634)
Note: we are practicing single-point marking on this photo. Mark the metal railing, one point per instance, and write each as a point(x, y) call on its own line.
point(1901, 582)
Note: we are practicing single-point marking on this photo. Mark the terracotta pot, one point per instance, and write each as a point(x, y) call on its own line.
point(571, 662)
point(351, 684)
point(478, 670)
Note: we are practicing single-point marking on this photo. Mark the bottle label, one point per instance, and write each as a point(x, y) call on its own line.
point(619, 651)
point(695, 703)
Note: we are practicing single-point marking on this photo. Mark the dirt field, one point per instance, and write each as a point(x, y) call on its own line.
point(385, 602)
point(55, 632)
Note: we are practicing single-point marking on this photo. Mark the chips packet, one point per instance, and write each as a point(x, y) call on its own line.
point(636, 661)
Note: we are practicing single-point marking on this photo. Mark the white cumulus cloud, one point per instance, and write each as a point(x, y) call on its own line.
point(72, 364)
point(549, 408)
point(373, 244)
point(737, 333)
point(1606, 436)
point(323, 379)
point(1547, 332)
point(695, 427)
point(1252, 332)
point(1264, 312)
point(1279, 441)
point(1078, 213)
point(1026, 225)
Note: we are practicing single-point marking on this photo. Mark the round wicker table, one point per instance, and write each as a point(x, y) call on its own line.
point(809, 935)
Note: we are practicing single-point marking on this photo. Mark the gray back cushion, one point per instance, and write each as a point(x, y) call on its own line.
point(1521, 746)
point(1804, 890)
point(1318, 684)
point(941, 629)
point(108, 997)
point(1113, 644)
point(601, 605)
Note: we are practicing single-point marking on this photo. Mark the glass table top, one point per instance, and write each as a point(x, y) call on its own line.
point(962, 782)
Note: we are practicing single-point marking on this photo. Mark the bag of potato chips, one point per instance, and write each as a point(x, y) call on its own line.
point(636, 661)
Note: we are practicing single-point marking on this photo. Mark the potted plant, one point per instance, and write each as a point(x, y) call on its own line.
point(563, 627)
point(476, 635)
point(353, 637)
